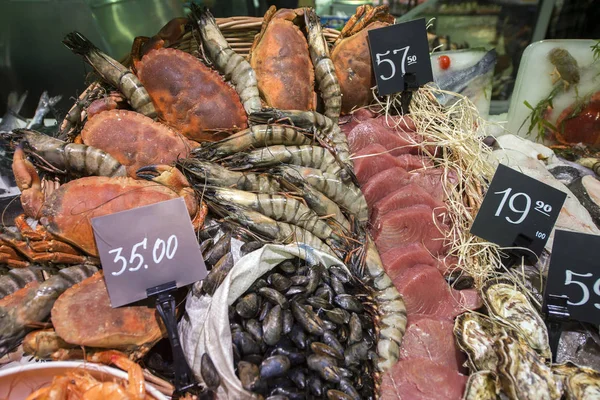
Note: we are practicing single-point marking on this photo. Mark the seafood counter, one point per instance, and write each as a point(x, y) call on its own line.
point(333, 223)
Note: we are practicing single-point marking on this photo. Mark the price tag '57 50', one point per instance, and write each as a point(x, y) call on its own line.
point(397, 50)
point(518, 211)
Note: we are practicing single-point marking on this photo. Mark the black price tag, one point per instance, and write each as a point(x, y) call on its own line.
point(397, 50)
point(518, 211)
point(146, 247)
point(575, 272)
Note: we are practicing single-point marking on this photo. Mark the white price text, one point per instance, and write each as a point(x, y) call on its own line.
point(520, 204)
point(381, 59)
point(571, 279)
point(159, 251)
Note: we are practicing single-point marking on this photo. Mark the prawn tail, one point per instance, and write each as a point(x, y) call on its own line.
point(79, 44)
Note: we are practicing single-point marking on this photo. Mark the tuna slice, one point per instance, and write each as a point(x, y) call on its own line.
point(373, 132)
point(398, 259)
point(412, 162)
point(414, 224)
point(406, 196)
point(398, 122)
point(431, 180)
point(422, 379)
point(384, 183)
point(432, 338)
point(349, 122)
point(373, 159)
point(425, 291)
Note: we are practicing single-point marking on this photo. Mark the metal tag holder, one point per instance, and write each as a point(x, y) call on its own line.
point(557, 314)
point(165, 304)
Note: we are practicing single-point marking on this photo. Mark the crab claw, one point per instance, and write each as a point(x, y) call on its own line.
point(28, 181)
point(164, 174)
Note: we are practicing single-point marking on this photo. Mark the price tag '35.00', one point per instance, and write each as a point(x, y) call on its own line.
point(146, 247)
point(518, 211)
point(398, 50)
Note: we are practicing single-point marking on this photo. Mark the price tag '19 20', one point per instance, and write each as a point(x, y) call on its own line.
point(518, 211)
point(397, 50)
point(145, 247)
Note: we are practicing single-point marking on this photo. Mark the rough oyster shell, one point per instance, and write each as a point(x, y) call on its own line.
point(577, 383)
point(506, 302)
point(481, 386)
point(476, 334)
point(522, 374)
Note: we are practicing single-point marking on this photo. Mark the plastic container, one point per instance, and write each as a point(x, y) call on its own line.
point(16, 383)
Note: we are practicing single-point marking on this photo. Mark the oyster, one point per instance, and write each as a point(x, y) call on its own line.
point(522, 374)
point(476, 334)
point(577, 383)
point(514, 309)
point(481, 386)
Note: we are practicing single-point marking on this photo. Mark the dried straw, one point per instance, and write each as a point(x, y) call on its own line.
point(464, 159)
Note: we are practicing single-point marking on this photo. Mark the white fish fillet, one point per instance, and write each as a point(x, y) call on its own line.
point(532, 159)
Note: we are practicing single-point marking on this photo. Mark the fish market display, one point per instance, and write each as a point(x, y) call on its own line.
point(334, 228)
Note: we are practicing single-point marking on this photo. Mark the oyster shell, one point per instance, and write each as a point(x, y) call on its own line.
point(506, 302)
point(476, 334)
point(522, 374)
point(481, 386)
point(577, 383)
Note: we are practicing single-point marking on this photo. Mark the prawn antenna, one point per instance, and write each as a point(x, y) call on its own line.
point(79, 44)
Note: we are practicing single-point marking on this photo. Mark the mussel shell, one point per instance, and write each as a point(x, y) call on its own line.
point(476, 334)
point(507, 303)
point(481, 386)
point(577, 382)
point(522, 373)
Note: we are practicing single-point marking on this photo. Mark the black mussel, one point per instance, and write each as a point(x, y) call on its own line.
point(348, 302)
point(272, 326)
point(274, 366)
point(247, 306)
point(323, 349)
point(325, 366)
point(209, 372)
point(249, 375)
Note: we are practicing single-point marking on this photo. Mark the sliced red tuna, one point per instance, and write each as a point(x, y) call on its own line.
point(373, 159)
point(414, 224)
point(432, 180)
point(398, 259)
point(349, 122)
point(425, 291)
point(398, 122)
point(432, 338)
point(414, 162)
point(384, 183)
point(422, 379)
point(372, 131)
point(406, 196)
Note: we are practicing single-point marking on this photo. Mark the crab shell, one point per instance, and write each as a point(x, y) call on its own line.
point(135, 140)
point(352, 58)
point(68, 211)
point(281, 61)
point(82, 315)
point(189, 96)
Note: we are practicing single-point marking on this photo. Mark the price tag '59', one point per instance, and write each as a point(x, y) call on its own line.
point(397, 50)
point(146, 247)
point(518, 211)
point(574, 273)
